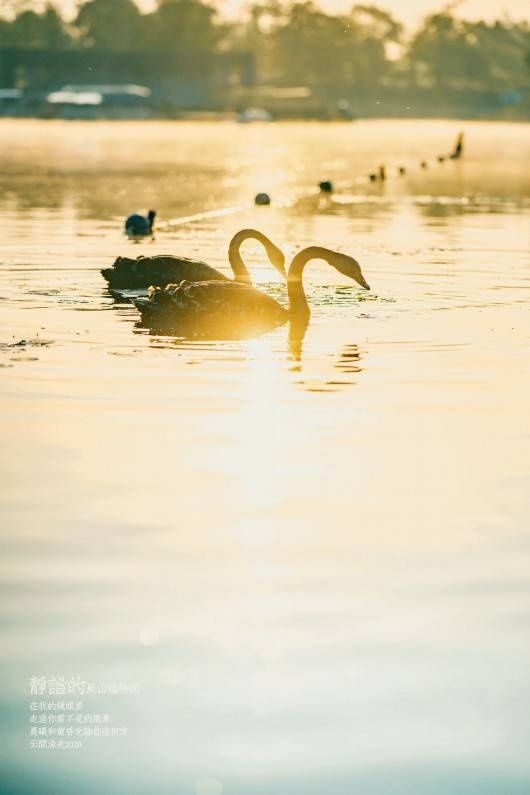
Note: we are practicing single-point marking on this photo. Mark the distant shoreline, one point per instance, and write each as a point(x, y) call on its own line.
point(233, 118)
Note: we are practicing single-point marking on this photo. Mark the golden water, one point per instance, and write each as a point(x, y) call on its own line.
point(316, 569)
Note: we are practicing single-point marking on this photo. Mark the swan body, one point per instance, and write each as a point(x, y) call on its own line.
point(137, 225)
point(224, 309)
point(215, 309)
point(164, 269)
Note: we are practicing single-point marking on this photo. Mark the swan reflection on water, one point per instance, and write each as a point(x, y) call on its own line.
point(347, 361)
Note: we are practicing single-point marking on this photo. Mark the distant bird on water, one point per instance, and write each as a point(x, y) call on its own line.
point(379, 175)
point(262, 199)
point(137, 226)
point(326, 186)
point(143, 272)
point(234, 310)
point(459, 147)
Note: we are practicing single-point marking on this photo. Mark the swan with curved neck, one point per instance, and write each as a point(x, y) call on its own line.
point(161, 270)
point(234, 309)
point(240, 270)
point(345, 264)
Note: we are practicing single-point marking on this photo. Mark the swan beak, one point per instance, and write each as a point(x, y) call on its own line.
point(362, 281)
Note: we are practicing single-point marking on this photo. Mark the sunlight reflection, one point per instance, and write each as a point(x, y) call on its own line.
point(256, 440)
point(255, 531)
point(260, 434)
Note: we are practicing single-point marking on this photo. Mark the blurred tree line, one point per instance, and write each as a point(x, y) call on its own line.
point(296, 44)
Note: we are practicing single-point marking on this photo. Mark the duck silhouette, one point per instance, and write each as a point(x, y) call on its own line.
point(138, 226)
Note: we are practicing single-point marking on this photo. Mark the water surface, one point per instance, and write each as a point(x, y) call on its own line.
point(315, 565)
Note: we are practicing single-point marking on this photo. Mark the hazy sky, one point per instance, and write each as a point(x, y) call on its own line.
point(408, 11)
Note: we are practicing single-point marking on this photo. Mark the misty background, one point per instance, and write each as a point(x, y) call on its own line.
point(288, 59)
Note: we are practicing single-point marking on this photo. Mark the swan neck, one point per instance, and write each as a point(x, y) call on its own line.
point(295, 289)
point(241, 273)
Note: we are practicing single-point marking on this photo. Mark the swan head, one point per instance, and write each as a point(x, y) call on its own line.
point(349, 266)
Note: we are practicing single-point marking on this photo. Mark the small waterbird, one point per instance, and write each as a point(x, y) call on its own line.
point(459, 147)
point(228, 310)
point(379, 175)
point(163, 269)
point(262, 199)
point(138, 226)
point(326, 186)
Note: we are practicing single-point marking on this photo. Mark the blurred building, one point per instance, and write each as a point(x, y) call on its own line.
point(173, 83)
